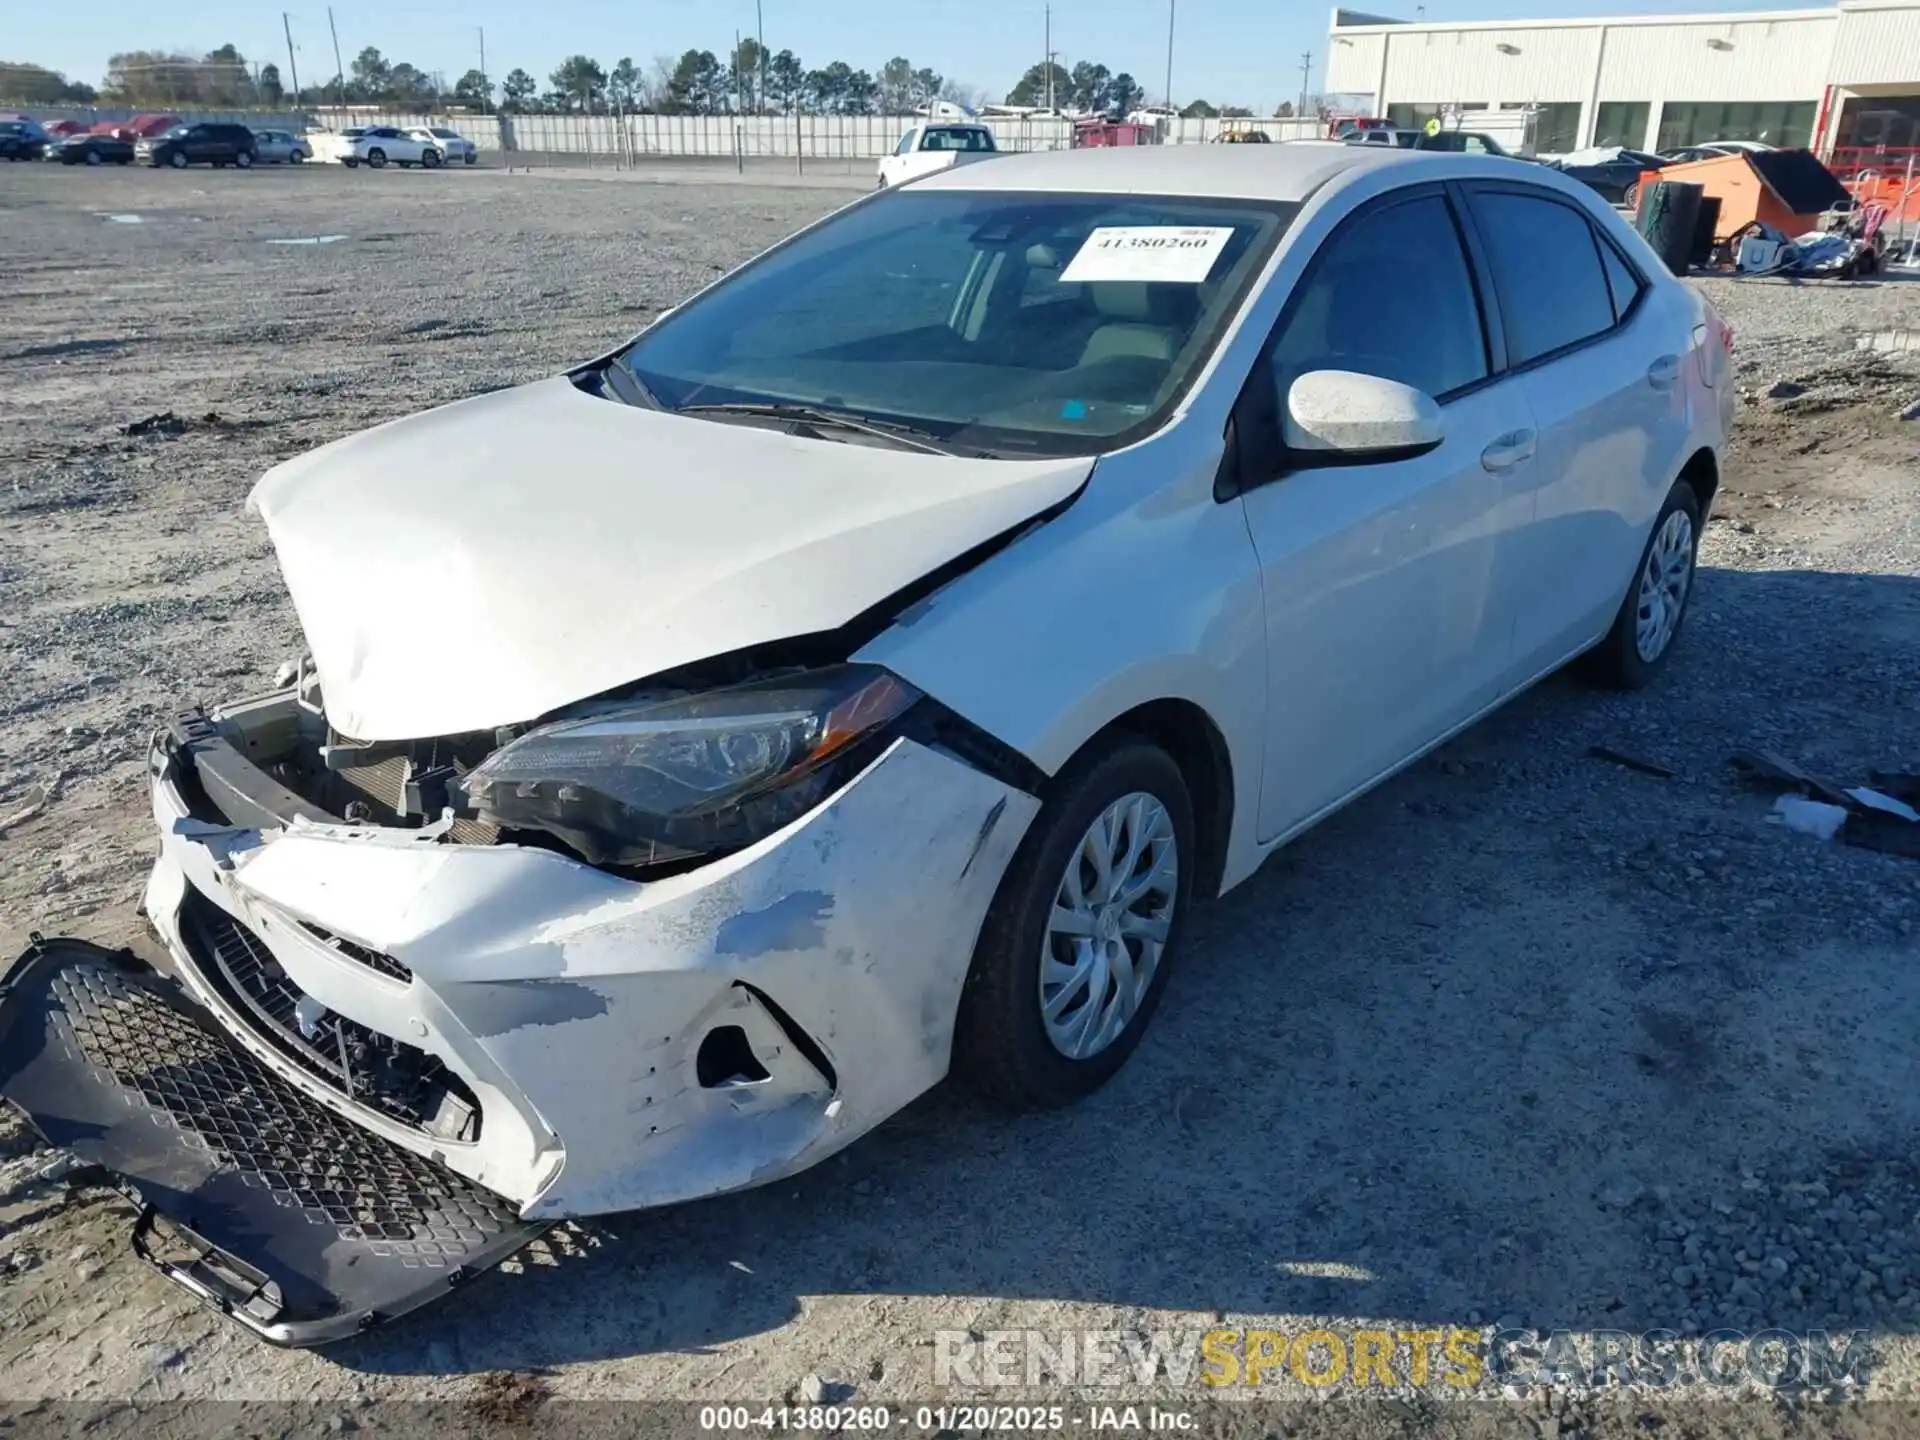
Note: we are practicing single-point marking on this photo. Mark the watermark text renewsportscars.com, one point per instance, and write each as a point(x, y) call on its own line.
point(1471, 1360)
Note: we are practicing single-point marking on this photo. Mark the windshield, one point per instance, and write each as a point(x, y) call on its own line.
point(1054, 324)
point(443, 135)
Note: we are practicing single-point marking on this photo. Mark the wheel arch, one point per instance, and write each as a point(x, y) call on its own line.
point(1196, 745)
point(1702, 472)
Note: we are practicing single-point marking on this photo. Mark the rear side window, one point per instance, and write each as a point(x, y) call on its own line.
point(1388, 295)
point(1546, 268)
point(1621, 279)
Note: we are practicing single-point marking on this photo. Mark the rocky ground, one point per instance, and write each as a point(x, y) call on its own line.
point(1526, 1039)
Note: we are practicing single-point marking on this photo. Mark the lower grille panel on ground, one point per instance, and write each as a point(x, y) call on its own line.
point(304, 1226)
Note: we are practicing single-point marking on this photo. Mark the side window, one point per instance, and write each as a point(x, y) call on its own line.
point(906, 144)
point(1389, 294)
point(1546, 269)
point(1473, 145)
point(1621, 279)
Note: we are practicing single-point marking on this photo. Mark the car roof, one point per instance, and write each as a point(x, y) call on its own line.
point(1290, 171)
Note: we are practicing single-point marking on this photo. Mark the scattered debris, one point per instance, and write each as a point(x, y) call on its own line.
point(168, 423)
point(1645, 767)
point(1909, 412)
point(48, 794)
point(814, 1390)
point(1883, 818)
point(1810, 817)
point(1766, 768)
point(308, 240)
point(1785, 390)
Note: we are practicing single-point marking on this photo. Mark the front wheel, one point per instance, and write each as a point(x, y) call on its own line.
point(430, 159)
point(377, 159)
point(1075, 952)
point(472, 159)
point(1643, 632)
point(244, 159)
point(296, 158)
point(178, 160)
point(94, 157)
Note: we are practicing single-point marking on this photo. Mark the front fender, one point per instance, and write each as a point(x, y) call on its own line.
point(1144, 589)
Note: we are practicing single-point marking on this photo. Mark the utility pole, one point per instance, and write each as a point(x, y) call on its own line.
point(292, 67)
point(1046, 64)
point(486, 97)
point(339, 70)
point(760, 39)
point(1306, 79)
point(1170, 5)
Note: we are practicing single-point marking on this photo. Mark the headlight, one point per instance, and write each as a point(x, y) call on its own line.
point(692, 775)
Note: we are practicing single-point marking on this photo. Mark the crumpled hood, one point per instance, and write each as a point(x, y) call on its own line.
point(483, 563)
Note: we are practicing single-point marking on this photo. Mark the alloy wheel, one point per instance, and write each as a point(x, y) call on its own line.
point(1664, 584)
point(1111, 917)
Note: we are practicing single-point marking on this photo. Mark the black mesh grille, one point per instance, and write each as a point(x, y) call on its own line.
point(228, 1105)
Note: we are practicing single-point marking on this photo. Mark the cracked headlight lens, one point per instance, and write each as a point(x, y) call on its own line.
point(692, 775)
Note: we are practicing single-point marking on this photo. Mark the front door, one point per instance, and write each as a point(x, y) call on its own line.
point(1383, 583)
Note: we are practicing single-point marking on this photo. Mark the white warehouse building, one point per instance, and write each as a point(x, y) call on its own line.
point(1841, 79)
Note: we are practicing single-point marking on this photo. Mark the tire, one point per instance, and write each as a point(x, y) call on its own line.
point(377, 159)
point(472, 158)
point(296, 158)
point(1622, 661)
point(178, 159)
point(244, 159)
point(350, 161)
point(1002, 1044)
point(124, 160)
point(1630, 197)
point(430, 159)
point(94, 157)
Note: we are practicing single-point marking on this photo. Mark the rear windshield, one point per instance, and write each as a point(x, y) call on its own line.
point(1052, 324)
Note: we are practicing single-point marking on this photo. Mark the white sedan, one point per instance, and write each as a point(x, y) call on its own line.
point(862, 673)
point(454, 147)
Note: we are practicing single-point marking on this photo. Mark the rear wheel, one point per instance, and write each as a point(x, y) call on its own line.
point(1075, 953)
point(349, 161)
point(178, 160)
point(471, 157)
point(244, 159)
point(295, 158)
point(94, 157)
point(430, 159)
point(1644, 631)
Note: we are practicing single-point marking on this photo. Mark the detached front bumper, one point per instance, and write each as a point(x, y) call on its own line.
point(624, 1044)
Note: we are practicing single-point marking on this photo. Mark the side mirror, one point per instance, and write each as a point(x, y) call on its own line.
point(1340, 417)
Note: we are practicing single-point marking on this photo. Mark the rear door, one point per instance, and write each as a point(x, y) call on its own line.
point(1385, 585)
point(1599, 349)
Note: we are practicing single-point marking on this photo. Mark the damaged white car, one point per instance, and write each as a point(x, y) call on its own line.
point(856, 678)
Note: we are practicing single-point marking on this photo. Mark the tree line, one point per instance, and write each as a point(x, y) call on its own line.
point(749, 80)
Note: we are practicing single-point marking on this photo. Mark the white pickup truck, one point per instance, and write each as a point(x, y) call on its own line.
point(935, 145)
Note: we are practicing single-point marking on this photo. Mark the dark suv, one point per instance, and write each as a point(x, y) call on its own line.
point(18, 142)
point(209, 143)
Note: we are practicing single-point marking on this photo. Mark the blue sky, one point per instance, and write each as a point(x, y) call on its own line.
point(1243, 52)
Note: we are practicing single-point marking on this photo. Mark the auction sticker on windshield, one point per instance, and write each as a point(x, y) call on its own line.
point(1182, 254)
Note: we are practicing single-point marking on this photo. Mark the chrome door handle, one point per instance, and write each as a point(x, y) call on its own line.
point(1664, 372)
point(1508, 451)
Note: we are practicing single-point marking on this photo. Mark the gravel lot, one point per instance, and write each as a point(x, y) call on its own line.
point(1525, 1037)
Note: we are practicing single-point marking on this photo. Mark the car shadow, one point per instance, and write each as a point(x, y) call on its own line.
point(1469, 1052)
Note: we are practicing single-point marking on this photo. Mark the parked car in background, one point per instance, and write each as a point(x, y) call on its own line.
point(377, 146)
point(1463, 142)
point(20, 142)
point(1709, 150)
point(280, 147)
point(95, 150)
point(1616, 180)
point(927, 148)
point(208, 142)
point(454, 147)
point(1385, 137)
